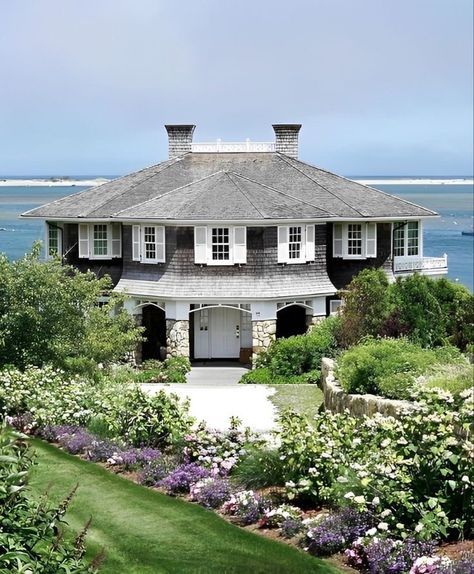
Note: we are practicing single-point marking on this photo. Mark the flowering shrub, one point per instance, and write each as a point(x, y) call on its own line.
point(211, 492)
point(291, 527)
point(102, 451)
point(274, 517)
point(414, 473)
point(218, 450)
point(182, 477)
point(245, 505)
point(155, 470)
point(431, 565)
point(76, 442)
point(336, 531)
point(136, 457)
point(386, 555)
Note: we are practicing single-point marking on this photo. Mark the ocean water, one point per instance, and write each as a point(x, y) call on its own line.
point(442, 235)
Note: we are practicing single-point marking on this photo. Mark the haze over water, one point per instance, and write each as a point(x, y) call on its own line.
point(442, 235)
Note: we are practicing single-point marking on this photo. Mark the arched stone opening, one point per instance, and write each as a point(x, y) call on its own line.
point(154, 321)
point(291, 320)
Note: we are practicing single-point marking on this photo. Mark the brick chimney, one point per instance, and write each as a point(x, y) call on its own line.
point(286, 138)
point(180, 138)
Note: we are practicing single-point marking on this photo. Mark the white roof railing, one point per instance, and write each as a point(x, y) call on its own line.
point(232, 147)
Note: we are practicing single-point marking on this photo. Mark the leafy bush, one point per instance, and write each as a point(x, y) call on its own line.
point(49, 312)
point(389, 367)
point(453, 378)
point(291, 527)
point(286, 360)
point(366, 306)
point(152, 420)
point(211, 492)
point(31, 538)
point(261, 467)
point(333, 533)
point(176, 369)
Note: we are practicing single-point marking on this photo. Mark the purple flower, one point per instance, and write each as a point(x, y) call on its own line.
point(211, 492)
point(76, 442)
point(182, 477)
point(155, 470)
point(102, 450)
point(133, 457)
point(291, 527)
point(52, 433)
point(337, 531)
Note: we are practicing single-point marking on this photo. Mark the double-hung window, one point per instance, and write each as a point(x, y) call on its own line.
point(148, 243)
point(53, 241)
point(295, 243)
point(100, 240)
point(354, 240)
point(407, 239)
point(220, 245)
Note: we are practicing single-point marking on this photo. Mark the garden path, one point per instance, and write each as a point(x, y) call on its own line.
point(216, 396)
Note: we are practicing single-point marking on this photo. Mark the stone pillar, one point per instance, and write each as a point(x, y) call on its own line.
point(177, 338)
point(263, 333)
point(313, 320)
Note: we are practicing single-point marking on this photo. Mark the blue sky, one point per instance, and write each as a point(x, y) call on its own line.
point(380, 86)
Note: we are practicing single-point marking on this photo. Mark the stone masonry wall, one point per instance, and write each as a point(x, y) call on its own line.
point(337, 400)
point(263, 333)
point(177, 338)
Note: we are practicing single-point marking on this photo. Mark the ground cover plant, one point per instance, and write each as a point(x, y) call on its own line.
point(30, 539)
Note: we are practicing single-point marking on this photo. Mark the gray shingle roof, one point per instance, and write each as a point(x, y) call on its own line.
point(230, 186)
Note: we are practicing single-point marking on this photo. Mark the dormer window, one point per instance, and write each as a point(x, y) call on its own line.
point(295, 243)
point(220, 245)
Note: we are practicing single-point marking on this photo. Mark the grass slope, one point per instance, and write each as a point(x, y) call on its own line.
point(145, 532)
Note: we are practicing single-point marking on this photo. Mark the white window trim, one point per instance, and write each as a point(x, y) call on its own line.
point(158, 229)
point(307, 252)
point(405, 241)
point(237, 251)
point(345, 240)
point(90, 242)
point(334, 306)
point(59, 231)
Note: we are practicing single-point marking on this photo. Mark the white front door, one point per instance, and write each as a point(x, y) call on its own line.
point(217, 333)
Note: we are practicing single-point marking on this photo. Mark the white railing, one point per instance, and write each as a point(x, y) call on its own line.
point(232, 147)
point(419, 263)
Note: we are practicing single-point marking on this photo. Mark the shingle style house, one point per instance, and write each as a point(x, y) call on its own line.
point(224, 247)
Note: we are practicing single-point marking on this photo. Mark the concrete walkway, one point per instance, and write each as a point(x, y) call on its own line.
point(215, 397)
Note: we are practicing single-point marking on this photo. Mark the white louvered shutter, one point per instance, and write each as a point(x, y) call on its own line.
point(309, 248)
point(371, 240)
point(83, 240)
point(160, 244)
point(116, 239)
point(200, 245)
point(136, 243)
point(337, 242)
point(283, 255)
point(240, 245)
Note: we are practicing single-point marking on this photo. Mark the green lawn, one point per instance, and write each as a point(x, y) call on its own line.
point(304, 399)
point(144, 531)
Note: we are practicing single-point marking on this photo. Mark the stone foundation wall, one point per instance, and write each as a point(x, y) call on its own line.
point(177, 338)
point(313, 320)
point(337, 400)
point(263, 333)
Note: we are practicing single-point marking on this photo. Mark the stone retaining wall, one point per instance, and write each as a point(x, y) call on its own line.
point(337, 400)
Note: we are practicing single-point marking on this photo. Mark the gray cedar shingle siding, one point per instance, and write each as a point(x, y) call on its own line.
point(262, 277)
point(341, 271)
point(275, 186)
